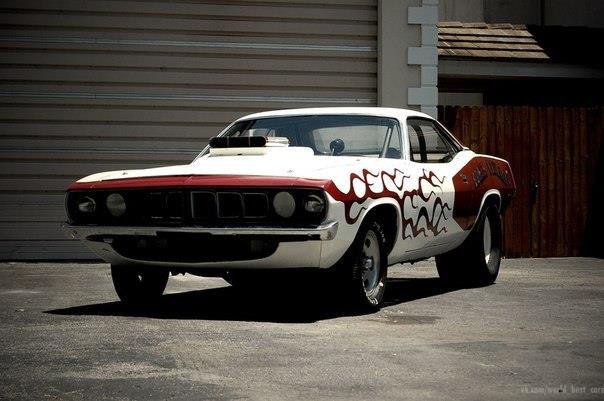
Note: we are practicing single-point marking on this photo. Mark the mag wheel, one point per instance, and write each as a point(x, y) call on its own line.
point(364, 268)
point(139, 285)
point(476, 262)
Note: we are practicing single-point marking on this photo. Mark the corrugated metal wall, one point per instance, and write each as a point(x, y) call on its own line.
point(87, 86)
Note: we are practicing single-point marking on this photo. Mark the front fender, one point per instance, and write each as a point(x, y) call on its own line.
point(333, 250)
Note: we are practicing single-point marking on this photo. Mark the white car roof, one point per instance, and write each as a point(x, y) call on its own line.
point(400, 114)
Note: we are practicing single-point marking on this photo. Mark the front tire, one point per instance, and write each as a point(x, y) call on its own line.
point(476, 262)
point(364, 268)
point(138, 285)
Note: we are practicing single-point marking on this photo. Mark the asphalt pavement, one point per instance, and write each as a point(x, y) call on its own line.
point(538, 333)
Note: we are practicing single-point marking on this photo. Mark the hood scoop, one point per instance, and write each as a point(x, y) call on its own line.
point(248, 145)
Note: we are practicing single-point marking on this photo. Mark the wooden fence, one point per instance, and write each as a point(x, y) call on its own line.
point(557, 160)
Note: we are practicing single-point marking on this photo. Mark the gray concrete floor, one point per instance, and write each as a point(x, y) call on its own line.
point(540, 328)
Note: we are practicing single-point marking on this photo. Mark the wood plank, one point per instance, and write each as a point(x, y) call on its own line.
point(496, 150)
point(483, 130)
point(470, 133)
point(551, 183)
point(543, 200)
point(566, 184)
point(514, 140)
point(494, 39)
point(582, 170)
point(578, 219)
point(559, 181)
point(524, 139)
point(512, 33)
point(475, 129)
point(495, 45)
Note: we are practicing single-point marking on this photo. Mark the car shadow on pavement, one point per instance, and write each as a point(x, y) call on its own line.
point(230, 303)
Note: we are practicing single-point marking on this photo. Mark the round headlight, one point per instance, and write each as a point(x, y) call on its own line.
point(314, 204)
point(116, 205)
point(284, 204)
point(87, 205)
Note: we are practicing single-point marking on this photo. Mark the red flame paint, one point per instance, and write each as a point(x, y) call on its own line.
point(432, 217)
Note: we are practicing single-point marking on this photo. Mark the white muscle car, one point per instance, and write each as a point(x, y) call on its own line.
point(344, 190)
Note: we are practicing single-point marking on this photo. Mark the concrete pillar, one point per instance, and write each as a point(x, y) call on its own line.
point(407, 54)
point(425, 95)
point(395, 35)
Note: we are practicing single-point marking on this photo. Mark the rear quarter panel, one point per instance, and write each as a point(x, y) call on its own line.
point(481, 176)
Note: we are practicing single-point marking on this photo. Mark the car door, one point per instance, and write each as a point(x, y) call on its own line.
point(428, 223)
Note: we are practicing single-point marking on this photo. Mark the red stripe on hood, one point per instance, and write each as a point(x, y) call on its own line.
point(193, 181)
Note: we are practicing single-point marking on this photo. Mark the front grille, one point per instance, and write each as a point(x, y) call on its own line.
point(166, 206)
point(209, 206)
point(193, 207)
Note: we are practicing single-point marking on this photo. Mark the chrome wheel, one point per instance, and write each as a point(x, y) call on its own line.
point(362, 271)
point(371, 263)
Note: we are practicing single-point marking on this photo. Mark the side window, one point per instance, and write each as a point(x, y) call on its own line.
point(393, 150)
point(427, 143)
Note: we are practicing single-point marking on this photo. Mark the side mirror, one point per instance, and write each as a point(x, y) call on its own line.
point(337, 146)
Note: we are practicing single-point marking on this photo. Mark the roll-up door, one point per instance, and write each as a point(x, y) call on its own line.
point(88, 86)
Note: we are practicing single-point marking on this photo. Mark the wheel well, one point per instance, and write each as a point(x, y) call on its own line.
point(493, 200)
point(387, 216)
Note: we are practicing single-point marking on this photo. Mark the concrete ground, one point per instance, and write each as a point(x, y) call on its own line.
point(538, 333)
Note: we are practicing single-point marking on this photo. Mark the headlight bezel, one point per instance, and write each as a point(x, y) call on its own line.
point(301, 216)
point(73, 200)
point(87, 200)
point(314, 204)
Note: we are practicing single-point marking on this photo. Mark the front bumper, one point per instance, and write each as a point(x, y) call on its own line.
point(298, 247)
point(325, 232)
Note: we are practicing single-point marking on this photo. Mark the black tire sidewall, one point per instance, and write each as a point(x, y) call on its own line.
point(477, 271)
point(375, 298)
point(131, 290)
point(466, 266)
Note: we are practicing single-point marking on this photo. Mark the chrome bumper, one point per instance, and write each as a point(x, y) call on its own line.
point(325, 232)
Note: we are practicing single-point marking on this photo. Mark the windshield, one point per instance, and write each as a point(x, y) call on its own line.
point(345, 135)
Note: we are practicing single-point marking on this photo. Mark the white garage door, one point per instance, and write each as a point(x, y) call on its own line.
point(87, 86)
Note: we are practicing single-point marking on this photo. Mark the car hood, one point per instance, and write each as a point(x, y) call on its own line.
point(292, 165)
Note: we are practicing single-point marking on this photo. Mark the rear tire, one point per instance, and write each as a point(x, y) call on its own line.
point(138, 285)
point(475, 262)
